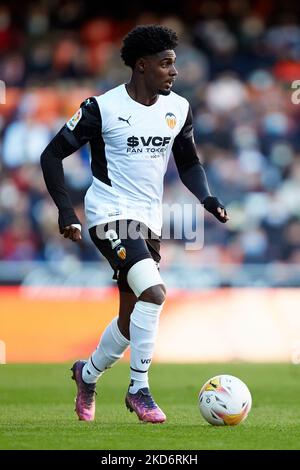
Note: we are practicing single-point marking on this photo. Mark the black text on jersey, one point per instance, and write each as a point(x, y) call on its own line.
point(156, 141)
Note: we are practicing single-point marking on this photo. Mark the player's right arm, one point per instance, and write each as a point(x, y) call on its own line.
point(81, 128)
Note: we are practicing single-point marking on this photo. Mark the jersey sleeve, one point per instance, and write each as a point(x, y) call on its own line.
point(80, 129)
point(84, 125)
point(184, 149)
point(190, 169)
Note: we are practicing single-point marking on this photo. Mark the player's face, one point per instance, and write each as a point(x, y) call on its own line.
point(160, 72)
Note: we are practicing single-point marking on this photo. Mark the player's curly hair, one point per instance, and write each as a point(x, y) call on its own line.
point(147, 40)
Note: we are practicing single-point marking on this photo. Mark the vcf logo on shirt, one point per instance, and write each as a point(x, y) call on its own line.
point(171, 120)
point(147, 144)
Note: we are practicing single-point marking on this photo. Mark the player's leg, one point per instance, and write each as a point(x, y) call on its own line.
point(114, 341)
point(110, 348)
point(146, 282)
point(127, 302)
point(115, 337)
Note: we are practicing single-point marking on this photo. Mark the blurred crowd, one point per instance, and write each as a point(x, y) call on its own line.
point(237, 61)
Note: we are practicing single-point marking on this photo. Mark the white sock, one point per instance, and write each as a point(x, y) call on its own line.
point(143, 329)
point(109, 350)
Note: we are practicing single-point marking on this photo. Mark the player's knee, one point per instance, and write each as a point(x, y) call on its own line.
point(146, 282)
point(155, 294)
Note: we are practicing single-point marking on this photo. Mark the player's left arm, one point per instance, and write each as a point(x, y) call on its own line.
point(191, 171)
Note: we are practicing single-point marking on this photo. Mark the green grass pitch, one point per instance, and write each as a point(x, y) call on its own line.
point(37, 403)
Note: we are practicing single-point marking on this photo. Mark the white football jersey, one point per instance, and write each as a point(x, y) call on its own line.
point(135, 142)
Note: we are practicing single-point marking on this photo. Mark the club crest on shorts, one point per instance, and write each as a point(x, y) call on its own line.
point(121, 252)
point(72, 123)
point(171, 120)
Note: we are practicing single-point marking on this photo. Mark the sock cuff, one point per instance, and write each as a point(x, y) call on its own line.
point(148, 307)
point(145, 314)
point(117, 333)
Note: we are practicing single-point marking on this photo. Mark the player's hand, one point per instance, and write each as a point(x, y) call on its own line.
point(72, 232)
point(215, 207)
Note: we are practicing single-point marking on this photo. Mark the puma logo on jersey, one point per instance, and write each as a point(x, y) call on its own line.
point(125, 120)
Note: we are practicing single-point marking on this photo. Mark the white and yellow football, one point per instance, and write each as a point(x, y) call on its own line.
point(224, 400)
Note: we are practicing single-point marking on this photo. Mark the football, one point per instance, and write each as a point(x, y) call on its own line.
point(224, 400)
